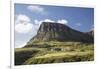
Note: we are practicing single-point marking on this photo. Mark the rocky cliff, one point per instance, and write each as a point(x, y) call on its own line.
point(59, 32)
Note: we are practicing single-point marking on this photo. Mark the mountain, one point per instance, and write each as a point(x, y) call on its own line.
point(56, 43)
point(91, 33)
point(49, 31)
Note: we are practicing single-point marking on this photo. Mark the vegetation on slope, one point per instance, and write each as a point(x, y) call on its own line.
point(54, 52)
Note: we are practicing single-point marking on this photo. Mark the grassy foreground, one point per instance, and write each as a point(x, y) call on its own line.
point(54, 52)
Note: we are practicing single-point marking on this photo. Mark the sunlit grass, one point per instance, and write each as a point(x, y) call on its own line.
point(54, 52)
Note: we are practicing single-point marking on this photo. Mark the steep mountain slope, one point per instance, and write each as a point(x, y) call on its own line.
point(59, 32)
point(56, 43)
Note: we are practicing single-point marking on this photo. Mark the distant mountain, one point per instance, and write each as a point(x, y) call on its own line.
point(49, 31)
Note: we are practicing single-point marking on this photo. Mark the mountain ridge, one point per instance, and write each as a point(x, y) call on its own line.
point(49, 31)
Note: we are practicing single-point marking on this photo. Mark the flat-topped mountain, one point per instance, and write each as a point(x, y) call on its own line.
point(55, 43)
point(49, 31)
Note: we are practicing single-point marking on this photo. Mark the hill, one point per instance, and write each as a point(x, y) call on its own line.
point(59, 32)
point(56, 43)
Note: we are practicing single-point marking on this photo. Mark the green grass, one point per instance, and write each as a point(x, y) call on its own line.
point(61, 57)
point(62, 52)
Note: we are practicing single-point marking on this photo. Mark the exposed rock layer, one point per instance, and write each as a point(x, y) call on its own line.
point(59, 32)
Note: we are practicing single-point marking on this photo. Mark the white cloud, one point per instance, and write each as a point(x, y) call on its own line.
point(36, 9)
point(62, 21)
point(37, 22)
point(78, 24)
point(21, 19)
point(48, 20)
point(23, 28)
point(23, 24)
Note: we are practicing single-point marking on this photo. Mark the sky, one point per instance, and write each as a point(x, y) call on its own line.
point(28, 18)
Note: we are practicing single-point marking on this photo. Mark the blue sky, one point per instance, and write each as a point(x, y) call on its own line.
point(29, 17)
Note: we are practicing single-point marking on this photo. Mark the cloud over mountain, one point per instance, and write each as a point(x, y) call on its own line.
point(24, 24)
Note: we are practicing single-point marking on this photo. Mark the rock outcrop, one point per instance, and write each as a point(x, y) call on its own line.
point(59, 32)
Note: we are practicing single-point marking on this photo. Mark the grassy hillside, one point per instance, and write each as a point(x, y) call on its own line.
point(54, 52)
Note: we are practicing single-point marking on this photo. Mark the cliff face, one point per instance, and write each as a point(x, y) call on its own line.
point(59, 32)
